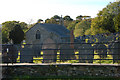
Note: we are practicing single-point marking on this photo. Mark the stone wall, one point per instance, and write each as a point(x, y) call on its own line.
point(78, 70)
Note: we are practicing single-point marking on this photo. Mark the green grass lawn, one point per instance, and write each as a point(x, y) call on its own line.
point(25, 77)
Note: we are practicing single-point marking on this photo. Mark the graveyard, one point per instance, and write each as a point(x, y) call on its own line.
point(50, 44)
point(60, 40)
point(48, 53)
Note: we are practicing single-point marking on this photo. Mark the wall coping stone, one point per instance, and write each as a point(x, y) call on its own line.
point(65, 64)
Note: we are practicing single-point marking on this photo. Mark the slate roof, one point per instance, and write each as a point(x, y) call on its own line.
point(55, 28)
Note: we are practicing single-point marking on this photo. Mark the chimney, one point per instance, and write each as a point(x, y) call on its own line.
point(61, 21)
point(72, 39)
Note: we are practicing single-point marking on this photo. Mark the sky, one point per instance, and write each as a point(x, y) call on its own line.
point(30, 11)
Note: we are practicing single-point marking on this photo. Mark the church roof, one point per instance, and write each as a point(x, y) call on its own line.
point(55, 28)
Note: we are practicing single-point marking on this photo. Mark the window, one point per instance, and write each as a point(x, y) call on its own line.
point(38, 34)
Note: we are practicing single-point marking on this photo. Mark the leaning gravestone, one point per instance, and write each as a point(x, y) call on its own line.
point(66, 52)
point(26, 54)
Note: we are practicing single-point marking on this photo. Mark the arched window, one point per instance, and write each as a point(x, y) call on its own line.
point(38, 34)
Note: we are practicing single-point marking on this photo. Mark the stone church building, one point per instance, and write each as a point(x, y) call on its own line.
point(41, 33)
point(48, 36)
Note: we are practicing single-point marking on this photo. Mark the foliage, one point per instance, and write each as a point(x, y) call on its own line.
point(82, 17)
point(39, 20)
point(56, 17)
point(53, 20)
point(67, 18)
point(17, 34)
point(107, 20)
point(8, 26)
point(88, 32)
point(117, 22)
point(71, 26)
point(79, 17)
point(95, 29)
point(81, 27)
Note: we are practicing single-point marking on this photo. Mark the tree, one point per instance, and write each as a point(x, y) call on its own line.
point(39, 20)
point(17, 34)
point(71, 26)
point(51, 21)
point(67, 18)
point(82, 17)
point(88, 32)
point(106, 19)
point(81, 27)
point(24, 26)
point(79, 17)
point(95, 26)
point(8, 26)
point(117, 22)
point(56, 17)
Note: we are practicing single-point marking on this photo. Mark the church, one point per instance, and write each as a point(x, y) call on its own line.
point(47, 33)
point(49, 36)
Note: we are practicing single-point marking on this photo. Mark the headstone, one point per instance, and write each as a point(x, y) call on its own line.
point(9, 54)
point(37, 50)
point(110, 37)
point(109, 50)
point(90, 52)
point(26, 54)
point(101, 49)
point(86, 52)
point(116, 52)
point(49, 51)
point(91, 39)
point(83, 39)
point(66, 52)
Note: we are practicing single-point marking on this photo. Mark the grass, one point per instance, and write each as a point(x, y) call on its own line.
point(39, 59)
point(103, 61)
point(25, 77)
point(77, 61)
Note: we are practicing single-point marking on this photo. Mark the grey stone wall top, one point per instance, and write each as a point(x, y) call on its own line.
point(82, 64)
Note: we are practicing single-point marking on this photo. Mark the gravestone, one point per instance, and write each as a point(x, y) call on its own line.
point(9, 54)
point(26, 54)
point(101, 49)
point(103, 38)
point(109, 50)
point(37, 50)
point(110, 37)
point(116, 52)
point(49, 51)
point(88, 37)
point(92, 39)
point(83, 38)
point(86, 52)
point(66, 52)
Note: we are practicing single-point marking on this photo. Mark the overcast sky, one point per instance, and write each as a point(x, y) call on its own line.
point(27, 10)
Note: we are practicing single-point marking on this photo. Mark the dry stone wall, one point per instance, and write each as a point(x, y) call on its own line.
point(62, 70)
